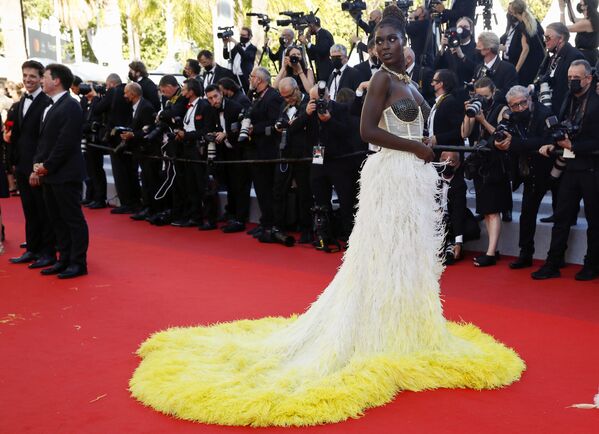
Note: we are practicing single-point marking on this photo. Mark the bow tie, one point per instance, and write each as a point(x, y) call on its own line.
point(29, 97)
point(209, 72)
point(336, 73)
point(51, 102)
point(189, 105)
point(373, 66)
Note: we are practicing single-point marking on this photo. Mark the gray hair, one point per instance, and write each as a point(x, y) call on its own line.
point(517, 91)
point(288, 82)
point(262, 73)
point(339, 47)
point(490, 41)
point(587, 66)
point(560, 29)
point(114, 79)
point(134, 88)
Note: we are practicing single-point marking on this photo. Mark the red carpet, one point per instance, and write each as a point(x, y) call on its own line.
point(67, 347)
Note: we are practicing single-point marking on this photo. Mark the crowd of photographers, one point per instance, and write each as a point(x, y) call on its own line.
point(174, 147)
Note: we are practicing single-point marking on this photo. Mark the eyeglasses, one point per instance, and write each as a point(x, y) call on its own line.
point(549, 38)
point(519, 104)
point(288, 96)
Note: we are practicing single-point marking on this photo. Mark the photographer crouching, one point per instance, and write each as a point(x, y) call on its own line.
point(526, 136)
point(578, 136)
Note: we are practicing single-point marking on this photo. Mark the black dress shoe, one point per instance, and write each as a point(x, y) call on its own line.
point(179, 222)
point(97, 205)
point(86, 202)
point(254, 230)
point(24, 258)
point(122, 210)
point(73, 271)
point(190, 223)
point(547, 271)
point(233, 226)
point(586, 273)
point(141, 215)
point(57, 268)
point(43, 262)
point(23, 245)
point(549, 219)
point(521, 262)
point(207, 226)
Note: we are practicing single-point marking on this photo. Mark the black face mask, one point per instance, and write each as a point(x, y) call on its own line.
point(465, 34)
point(574, 86)
point(282, 41)
point(371, 24)
point(244, 39)
point(520, 117)
point(337, 62)
point(131, 76)
point(208, 68)
point(185, 74)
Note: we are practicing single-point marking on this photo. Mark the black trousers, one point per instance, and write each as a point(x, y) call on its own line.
point(67, 220)
point(532, 197)
point(574, 186)
point(126, 179)
point(342, 174)
point(262, 175)
point(151, 180)
point(94, 164)
point(239, 178)
point(38, 231)
point(284, 175)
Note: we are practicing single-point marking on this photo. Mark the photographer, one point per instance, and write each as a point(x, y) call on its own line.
point(586, 28)
point(527, 123)
point(554, 69)
point(143, 116)
point(343, 75)
point(367, 68)
point(421, 75)
point(242, 57)
point(213, 72)
point(489, 170)
point(419, 31)
point(232, 91)
point(264, 144)
point(461, 51)
point(294, 66)
point(124, 168)
point(459, 8)
point(446, 114)
point(579, 138)
point(294, 144)
point(222, 120)
point(138, 73)
point(319, 52)
point(332, 165)
point(286, 40)
point(374, 18)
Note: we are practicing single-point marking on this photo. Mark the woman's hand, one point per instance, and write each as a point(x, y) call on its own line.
point(424, 153)
point(545, 150)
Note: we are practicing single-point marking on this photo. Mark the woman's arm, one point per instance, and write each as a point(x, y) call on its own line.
point(374, 105)
point(582, 25)
point(467, 126)
point(562, 6)
point(524, 52)
point(307, 79)
point(281, 75)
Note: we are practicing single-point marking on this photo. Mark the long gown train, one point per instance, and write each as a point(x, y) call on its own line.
point(377, 329)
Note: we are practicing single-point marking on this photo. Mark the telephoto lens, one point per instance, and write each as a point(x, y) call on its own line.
point(473, 107)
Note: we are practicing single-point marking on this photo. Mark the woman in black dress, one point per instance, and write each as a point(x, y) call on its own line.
point(524, 46)
point(294, 66)
point(586, 28)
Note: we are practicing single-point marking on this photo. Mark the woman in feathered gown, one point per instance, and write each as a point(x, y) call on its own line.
point(377, 329)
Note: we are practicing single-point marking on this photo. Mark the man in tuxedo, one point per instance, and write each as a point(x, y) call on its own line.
point(212, 71)
point(59, 168)
point(222, 118)
point(264, 144)
point(456, 10)
point(138, 73)
point(421, 75)
point(286, 39)
point(445, 119)
point(554, 69)
point(242, 57)
point(319, 52)
point(503, 73)
point(232, 91)
point(343, 75)
point(367, 68)
point(124, 166)
point(23, 144)
point(192, 69)
point(142, 120)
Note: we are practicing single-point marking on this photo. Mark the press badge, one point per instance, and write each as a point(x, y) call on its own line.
point(318, 154)
point(568, 154)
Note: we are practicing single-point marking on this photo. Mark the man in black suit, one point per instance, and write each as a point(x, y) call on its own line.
point(319, 52)
point(212, 71)
point(343, 75)
point(421, 75)
point(286, 39)
point(23, 144)
point(222, 119)
point(554, 69)
point(242, 57)
point(264, 142)
point(142, 121)
point(422, 40)
point(375, 17)
point(139, 74)
point(445, 119)
point(124, 166)
point(580, 179)
point(58, 166)
point(367, 68)
point(232, 91)
point(503, 74)
point(457, 9)
point(192, 69)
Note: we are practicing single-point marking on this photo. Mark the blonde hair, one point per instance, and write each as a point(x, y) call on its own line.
point(530, 22)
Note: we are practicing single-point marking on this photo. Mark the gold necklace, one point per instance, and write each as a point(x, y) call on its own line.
point(401, 77)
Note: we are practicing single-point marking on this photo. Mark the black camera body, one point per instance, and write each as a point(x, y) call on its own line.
point(294, 60)
point(560, 130)
point(226, 32)
point(263, 19)
point(298, 20)
point(165, 125)
point(455, 36)
point(322, 105)
point(474, 106)
point(282, 123)
point(353, 6)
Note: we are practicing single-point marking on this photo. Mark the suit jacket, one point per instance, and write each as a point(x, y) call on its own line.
point(423, 76)
point(464, 68)
point(231, 111)
point(418, 31)
point(115, 106)
point(448, 121)
point(364, 71)
point(503, 74)
point(297, 140)
point(59, 147)
point(25, 132)
point(265, 113)
point(248, 57)
point(144, 115)
point(319, 53)
point(350, 79)
point(277, 56)
point(461, 8)
point(218, 73)
point(332, 134)
point(150, 92)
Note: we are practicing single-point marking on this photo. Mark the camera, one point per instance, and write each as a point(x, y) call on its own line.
point(246, 124)
point(455, 36)
point(263, 19)
point(294, 60)
point(545, 94)
point(560, 130)
point(579, 8)
point(210, 140)
point(165, 125)
point(322, 104)
point(282, 124)
point(116, 132)
point(505, 126)
point(474, 106)
point(353, 6)
point(227, 32)
point(405, 5)
point(298, 20)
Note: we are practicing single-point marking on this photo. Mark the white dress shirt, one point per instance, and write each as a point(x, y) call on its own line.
point(55, 99)
point(335, 82)
point(188, 121)
point(27, 103)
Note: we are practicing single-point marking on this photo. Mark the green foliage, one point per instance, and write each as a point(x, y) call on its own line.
point(539, 8)
point(38, 9)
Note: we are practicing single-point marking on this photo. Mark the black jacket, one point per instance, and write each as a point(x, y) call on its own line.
point(25, 132)
point(319, 53)
point(423, 77)
point(364, 71)
point(297, 139)
point(150, 92)
point(349, 79)
point(418, 32)
point(449, 115)
point(503, 74)
point(248, 57)
point(59, 147)
point(464, 68)
point(116, 108)
point(218, 72)
point(265, 112)
point(241, 99)
point(332, 134)
point(232, 111)
point(144, 116)
point(461, 8)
